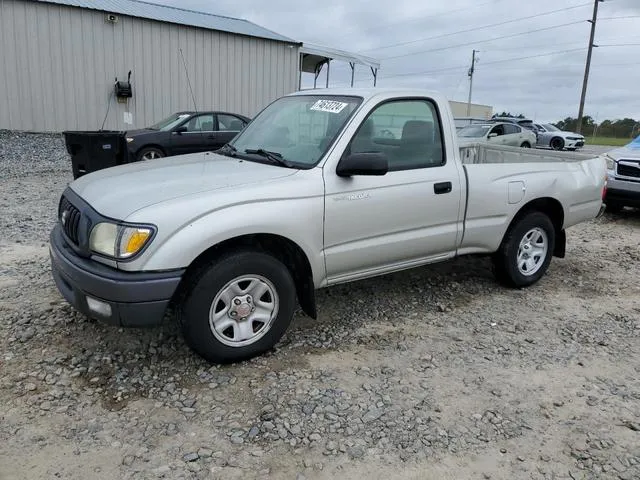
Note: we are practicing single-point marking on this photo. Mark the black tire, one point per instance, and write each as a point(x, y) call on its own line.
point(614, 208)
point(505, 261)
point(557, 143)
point(150, 151)
point(526, 145)
point(202, 288)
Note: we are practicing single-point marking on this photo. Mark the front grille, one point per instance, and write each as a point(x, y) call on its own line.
point(69, 219)
point(628, 171)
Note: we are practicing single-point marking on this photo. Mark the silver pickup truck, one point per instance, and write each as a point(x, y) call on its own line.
point(623, 183)
point(321, 188)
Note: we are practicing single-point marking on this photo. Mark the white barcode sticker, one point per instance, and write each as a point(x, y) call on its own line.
point(328, 106)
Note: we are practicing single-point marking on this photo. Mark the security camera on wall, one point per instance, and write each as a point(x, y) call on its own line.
point(111, 18)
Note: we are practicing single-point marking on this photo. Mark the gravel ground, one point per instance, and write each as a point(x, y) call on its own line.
point(436, 373)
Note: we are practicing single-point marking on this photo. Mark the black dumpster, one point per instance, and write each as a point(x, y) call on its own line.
point(92, 151)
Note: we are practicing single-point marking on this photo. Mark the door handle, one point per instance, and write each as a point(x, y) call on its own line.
point(442, 187)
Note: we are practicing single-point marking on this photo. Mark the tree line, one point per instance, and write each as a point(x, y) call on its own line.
point(621, 128)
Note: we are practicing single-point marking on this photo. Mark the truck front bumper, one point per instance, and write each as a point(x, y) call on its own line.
point(118, 298)
point(622, 192)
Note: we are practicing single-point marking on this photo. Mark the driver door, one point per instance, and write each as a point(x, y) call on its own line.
point(407, 217)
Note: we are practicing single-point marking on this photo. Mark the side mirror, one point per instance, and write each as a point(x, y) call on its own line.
point(180, 129)
point(366, 163)
point(491, 135)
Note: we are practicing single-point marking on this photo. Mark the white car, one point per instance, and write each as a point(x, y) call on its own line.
point(502, 133)
point(551, 136)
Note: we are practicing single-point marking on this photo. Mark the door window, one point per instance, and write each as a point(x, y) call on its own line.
point(498, 130)
point(407, 131)
point(200, 123)
point(229, 123)
point(511, 128)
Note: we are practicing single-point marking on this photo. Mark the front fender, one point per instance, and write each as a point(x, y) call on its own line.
point(299, 220)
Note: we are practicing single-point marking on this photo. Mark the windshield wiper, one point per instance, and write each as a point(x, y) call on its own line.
point(275, 157)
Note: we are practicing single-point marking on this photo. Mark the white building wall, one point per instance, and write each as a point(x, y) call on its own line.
point(58, 65)
point(459, 109)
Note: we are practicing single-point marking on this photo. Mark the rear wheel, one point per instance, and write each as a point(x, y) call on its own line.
point(557, 143)
point(150, 153)
point(237, 307)
point(526, 251)
point(526, 145)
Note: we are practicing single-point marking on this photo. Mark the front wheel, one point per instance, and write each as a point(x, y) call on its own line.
point(557, 143)
point(526, 251)
point(150, 153)
point(526, 145)
point(237, 307)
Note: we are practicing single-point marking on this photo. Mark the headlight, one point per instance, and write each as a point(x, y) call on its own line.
point(119, 241)
point(611, 163)
point(129, 139)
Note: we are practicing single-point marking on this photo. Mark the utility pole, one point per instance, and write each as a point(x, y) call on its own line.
point(588, 65)
point(471, 70)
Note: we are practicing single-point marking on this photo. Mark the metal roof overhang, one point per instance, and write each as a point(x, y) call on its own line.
point(314, 57)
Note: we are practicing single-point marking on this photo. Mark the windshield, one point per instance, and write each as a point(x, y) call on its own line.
point(550, 128)
point(298, 128)
point(170, 122)
point(474, 131)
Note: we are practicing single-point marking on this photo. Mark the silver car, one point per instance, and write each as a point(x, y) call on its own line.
point(502, 133)
point(551, 136)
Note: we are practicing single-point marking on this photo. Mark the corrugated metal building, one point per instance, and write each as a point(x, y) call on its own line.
point(59, 60)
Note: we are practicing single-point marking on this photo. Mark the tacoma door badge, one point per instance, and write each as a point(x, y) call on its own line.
point(353, 196)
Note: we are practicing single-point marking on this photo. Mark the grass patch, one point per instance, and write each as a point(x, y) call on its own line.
point(607, 141)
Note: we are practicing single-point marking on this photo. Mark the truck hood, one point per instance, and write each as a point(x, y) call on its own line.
point(117, 192)
point(631, 151)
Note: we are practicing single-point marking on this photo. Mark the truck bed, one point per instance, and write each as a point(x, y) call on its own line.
point(501, 180)
point(482, 153)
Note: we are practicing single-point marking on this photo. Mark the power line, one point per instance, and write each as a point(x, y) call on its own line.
point(428, 16)
point(621, 45)
point(466, 44)
point(521, 47)
point(494, 62)
point(619, 18)
point(464, 69)
point(474, 28)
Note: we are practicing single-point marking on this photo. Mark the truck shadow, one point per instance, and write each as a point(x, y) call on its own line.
point(629, 216)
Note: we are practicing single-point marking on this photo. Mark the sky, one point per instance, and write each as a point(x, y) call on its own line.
point(536, 68)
